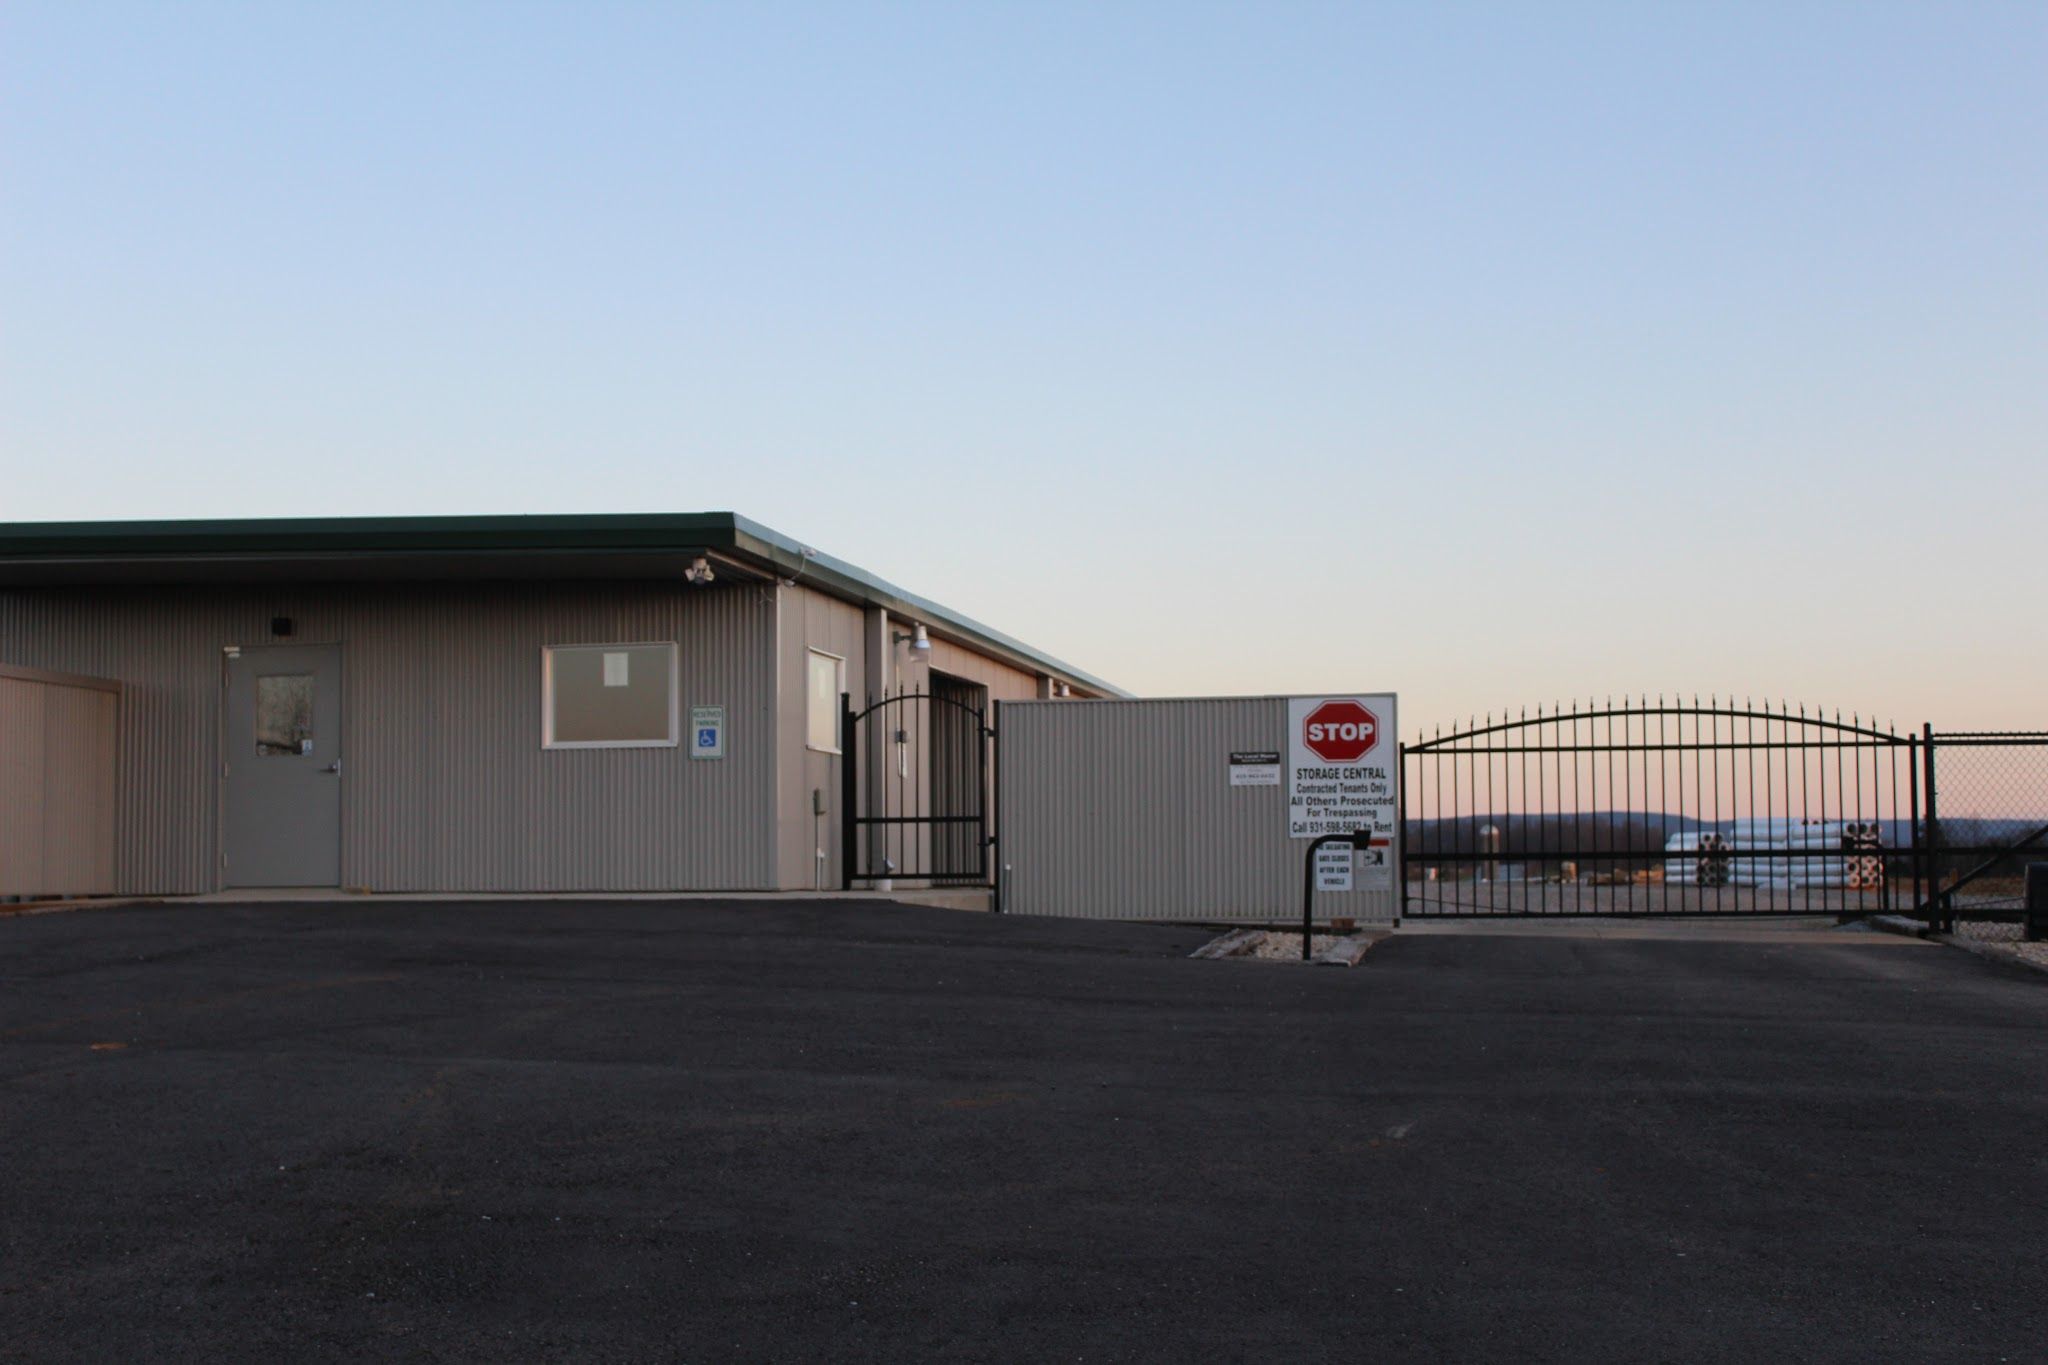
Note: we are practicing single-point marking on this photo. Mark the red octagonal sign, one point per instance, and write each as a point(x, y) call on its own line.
point(1340, 731)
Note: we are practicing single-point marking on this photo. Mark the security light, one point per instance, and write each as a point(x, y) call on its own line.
point(919, 641)
point(699, 574)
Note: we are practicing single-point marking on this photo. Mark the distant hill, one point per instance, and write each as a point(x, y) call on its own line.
point(1631, 835)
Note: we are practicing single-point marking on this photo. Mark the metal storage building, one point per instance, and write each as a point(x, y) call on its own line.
point(557, 703)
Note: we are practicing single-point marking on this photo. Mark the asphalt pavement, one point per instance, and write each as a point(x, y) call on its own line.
point(800, 1131)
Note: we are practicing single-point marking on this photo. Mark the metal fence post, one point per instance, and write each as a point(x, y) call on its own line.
point(1401, 795)
point(1936, 911)
point(1918, 850)
point(848, 789)
point(992, 843)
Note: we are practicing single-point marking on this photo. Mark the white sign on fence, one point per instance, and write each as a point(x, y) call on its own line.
point(1255, 769)
point(1376, 866)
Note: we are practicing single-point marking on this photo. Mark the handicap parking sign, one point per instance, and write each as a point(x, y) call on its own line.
point(707, 732)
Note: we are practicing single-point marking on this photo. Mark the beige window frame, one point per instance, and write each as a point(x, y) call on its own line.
point(811, 699)
point(547, 696)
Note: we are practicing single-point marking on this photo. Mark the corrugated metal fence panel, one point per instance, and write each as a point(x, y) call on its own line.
point(57, 755)
point(21, 787)
point(1124, 810)
point(446, 786)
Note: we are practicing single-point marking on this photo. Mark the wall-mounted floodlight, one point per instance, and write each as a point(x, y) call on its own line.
point(1062, 690)
point(919, 641)
point(699, 573)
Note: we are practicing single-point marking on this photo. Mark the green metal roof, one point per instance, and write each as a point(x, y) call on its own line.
point(73, 552)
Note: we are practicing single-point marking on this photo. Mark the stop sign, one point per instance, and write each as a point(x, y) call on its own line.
point(1340, 731)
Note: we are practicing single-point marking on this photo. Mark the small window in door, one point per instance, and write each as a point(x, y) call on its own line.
point(284, 714)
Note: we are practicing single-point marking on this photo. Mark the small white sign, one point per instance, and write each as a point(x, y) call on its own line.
point(1376, 866)
point(1259, 768)
point(707, 732)
point(1333, 867)
point(617, 672)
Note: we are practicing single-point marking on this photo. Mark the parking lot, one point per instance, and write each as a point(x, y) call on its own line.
point(789, 1130)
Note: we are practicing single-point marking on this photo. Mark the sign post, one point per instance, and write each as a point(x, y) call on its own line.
point(1313, 873)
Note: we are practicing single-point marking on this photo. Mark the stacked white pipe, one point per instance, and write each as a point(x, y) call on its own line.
point(1837, 855)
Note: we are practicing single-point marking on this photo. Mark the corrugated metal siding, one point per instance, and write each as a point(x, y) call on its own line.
point(165, 650)
point(1124, 810)
point(1003, 682)
point(446, 787)
point(57, 784)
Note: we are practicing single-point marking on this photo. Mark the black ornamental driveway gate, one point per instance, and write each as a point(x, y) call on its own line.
point(1654, 808)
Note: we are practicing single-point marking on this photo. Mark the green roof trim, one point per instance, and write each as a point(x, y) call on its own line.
point(50, 544)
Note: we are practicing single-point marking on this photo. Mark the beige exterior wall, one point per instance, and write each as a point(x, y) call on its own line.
point(1004, 683)
point(810, 620)
point(445, 784)
point(58, 738)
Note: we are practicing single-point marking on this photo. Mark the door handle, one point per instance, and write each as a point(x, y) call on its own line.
point(333, 767)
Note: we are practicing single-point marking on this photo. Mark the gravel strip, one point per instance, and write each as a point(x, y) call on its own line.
point(1283, 947)
point(1996, 938)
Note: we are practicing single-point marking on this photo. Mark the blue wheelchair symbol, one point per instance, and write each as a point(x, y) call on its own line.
point(707, 738)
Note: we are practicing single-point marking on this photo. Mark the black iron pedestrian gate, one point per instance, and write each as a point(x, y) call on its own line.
point(915, 788)
point(1646, 809)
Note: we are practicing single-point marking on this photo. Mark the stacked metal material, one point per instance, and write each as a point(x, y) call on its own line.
point(1818, 855)
point(1706, 863)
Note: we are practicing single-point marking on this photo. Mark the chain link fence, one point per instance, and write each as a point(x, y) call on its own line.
point(1987, 819)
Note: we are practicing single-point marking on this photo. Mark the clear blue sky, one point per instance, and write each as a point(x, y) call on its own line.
point(1488, 353)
